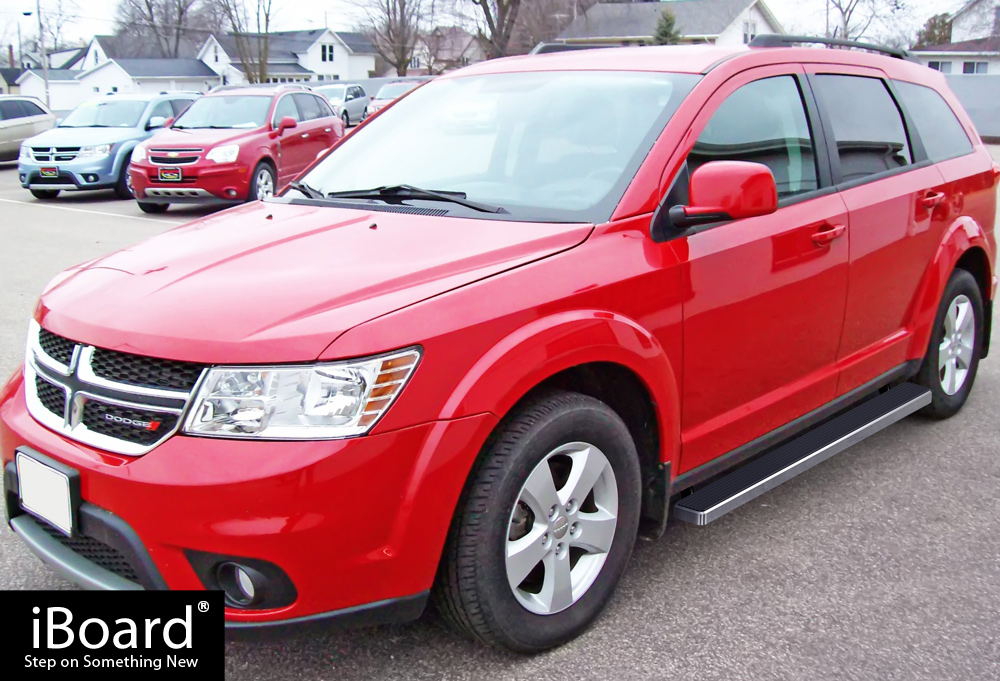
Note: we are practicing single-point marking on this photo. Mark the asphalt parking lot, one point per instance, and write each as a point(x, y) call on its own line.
point(882, 563)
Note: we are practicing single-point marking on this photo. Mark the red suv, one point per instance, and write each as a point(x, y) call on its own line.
point(474, 363)
point(234, 144)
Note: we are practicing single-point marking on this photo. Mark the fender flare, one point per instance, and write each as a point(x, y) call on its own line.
point(541, 349)
point(124, 151)
point(962, 235)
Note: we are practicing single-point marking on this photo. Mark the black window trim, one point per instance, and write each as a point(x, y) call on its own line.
point(821, 152)
point(916, 133)
point(912, 139)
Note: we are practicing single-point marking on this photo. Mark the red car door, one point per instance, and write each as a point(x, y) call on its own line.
point(894, 225)
point(291, 147)
point(765, 296)
point(316, 128)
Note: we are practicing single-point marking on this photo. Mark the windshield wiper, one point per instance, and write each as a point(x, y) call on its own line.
point(307, 190)
point(406, 191)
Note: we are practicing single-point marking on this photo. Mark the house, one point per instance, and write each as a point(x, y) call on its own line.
point(148, 76)
point(975, 41)
point(722, 22)
point(64, 88)
point(292, 56)
point(8, 80)
point(443, 49)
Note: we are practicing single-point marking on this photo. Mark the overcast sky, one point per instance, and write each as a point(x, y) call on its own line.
point(97, 16)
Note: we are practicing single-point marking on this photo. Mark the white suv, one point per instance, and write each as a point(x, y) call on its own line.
point(20, 118)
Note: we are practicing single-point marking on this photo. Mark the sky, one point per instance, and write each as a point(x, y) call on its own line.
point(97, 16)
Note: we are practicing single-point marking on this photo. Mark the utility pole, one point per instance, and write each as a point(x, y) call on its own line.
point(41, 49)
point(827, 18)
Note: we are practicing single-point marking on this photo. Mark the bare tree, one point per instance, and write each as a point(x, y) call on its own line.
point(162, 27)
point(855, 17)
point(394, 27)
point(250, 21)
point(496, 20)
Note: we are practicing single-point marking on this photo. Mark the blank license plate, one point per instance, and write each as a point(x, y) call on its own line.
point(48, 172)
point(170, 174)
point(45, 492)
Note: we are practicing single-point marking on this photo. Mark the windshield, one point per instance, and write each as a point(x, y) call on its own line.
point(393, 90)
point(545, 146)
point(226, 111)
point(105, 113)
point(335, 93)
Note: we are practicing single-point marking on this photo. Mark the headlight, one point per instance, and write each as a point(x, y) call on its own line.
point(98, 150)
point(224, 154)
point(139, 153)
point(310, 402)
point(24, 153)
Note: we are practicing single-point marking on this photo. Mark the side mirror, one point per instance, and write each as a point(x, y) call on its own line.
point(727, 190)
point(286, 123)
point(349, 97)
point(157, 122)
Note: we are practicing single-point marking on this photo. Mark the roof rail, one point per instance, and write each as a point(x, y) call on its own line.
point(548, 48)
point(275, 86)
point(775, 40)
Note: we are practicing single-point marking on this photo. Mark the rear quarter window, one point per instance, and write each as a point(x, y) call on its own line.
point(939, 129)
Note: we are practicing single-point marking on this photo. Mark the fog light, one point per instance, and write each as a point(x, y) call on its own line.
point(231, 193)
point(243, 585)
point(91, 178)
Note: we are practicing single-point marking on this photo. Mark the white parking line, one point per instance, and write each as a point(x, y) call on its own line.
point(92, 212)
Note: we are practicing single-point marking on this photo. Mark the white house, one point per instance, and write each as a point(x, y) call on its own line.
point(293, 56)
point(148, 76)
point(721, 22)
point(975, 41)
point(64, 90)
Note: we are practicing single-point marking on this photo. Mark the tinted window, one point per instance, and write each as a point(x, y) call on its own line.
point(939, 130)
point(308, 106)
point(324, 108)
point(31, 109)
point(286, 107)
point(866, 123)
point(10, 109)
point(763, 122)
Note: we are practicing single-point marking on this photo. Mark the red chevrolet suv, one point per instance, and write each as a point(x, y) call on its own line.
point(478, 371)
point(235, 144)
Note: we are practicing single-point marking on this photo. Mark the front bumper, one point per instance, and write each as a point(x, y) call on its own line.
point(75, 175)
point(356, 524)
point(201, 183)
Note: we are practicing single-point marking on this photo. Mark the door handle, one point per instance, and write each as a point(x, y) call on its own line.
point(305, 135)
point(828, 234)
point(932, 199)
point(327, 130)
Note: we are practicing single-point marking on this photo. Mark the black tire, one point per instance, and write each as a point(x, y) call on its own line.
point(942, 404)
point(122, 190)
point(263, 165)
point(472, 590)
point(346, 118)
point(153, 208)
point(44, 194)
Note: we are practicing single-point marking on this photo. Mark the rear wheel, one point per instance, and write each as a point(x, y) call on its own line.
point(44, 194)
point(146, 207)
point(545, 528)
point(952, 358)
point(347, 120)
point(262, 185)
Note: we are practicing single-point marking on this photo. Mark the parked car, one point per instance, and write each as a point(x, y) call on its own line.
point(234, 145)
point(387, 94)
point(90, 148)
point(21, 118)
point(349, 101)
point(475, 365)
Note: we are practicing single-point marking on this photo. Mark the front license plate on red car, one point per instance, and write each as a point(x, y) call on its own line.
point(47, 491)
point(170, 175)
point(48, 172)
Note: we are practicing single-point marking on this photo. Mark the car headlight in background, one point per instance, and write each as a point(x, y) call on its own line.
point(227, 153)
point(97, 150)
point(139, 153)
point(24, 152)
point(306, 402)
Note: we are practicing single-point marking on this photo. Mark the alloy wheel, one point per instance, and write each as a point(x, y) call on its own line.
point(957, 343)
point(561, 528)
point(265, 183)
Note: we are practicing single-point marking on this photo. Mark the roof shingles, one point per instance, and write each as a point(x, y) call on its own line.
point(638, 19)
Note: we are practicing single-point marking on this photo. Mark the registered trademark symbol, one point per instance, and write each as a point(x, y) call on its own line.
point(202, 606)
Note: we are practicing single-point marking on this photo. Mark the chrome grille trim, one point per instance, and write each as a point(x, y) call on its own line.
point(82, 386)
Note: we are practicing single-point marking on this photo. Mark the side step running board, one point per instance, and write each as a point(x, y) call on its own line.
point(801, 454)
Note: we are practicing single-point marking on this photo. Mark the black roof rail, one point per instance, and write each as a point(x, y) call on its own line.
point(548, 48)
point(776, 40)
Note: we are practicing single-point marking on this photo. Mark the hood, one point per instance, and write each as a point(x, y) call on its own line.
point(274, 282)
point(201, 137)
point(84, 137)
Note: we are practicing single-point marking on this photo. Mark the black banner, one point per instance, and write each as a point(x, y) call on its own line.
point(114, 634)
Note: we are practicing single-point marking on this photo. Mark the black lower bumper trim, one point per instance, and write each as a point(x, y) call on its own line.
point(389, 611)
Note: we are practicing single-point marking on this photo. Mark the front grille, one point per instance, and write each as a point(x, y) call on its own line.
point(173, 161)
point(52, 154)
point(96, 552)
point(61, 179)
point(51, 396)
point(146, 372)
point(58, 348)
point(138, 426)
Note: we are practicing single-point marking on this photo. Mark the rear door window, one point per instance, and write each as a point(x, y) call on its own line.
point(308, 107)
point(867, 125)
point(11, 109)
point(943, 136)
point(31, 109)
point(324, 108)
point(763, 122)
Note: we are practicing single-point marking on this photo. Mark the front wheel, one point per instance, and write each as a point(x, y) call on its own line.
point(545, 528)
point(44, 194)
point(153, 208)
point(952, 358)
point(262, 185)
point(123, 186)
